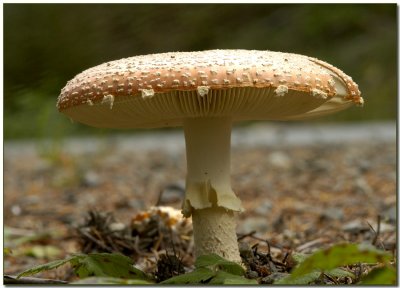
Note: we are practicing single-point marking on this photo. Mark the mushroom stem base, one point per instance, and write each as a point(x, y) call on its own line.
point(214, 231)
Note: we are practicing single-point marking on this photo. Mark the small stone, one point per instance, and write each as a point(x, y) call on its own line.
point(137, 204)
point(364, 166)
point(91, 179)
point(333, 213)
point(16, 210)
point(245, 250)
point(355, 226)
point(172, 193)
point(258, 224)
point(289, 234)
point(251, 274)
point(391, 214)
point(117, 226)
point(264, 208)
point(280, 160)
point(384, 227)
point(321, 166)
point(362, 186)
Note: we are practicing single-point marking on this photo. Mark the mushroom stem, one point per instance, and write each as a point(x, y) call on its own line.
point(209, 197)
point(214, 231)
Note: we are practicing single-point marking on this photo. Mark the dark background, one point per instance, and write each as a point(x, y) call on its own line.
point(45, 45)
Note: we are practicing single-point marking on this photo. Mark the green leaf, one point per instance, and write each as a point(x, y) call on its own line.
point(299, 280)
point(299, 257)
point(340, 273)
point(215, 262)
point(95, 264)
point(110, 280)
point(44, 267)
point(380, 276)
point(212, 269)
point(340, 255)
point(106, 265)
point(312, 276)
point(200, 275)
point(224, 278)
point(310, 267)
point(208, 260)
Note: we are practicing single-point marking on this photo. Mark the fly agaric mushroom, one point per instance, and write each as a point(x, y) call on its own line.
point(205, 92)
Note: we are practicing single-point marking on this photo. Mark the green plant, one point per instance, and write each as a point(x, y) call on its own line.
point(328, 261)
point(334, 262)
point(96, 264)
point(213, 269)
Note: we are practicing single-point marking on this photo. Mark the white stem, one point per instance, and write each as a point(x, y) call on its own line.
point(209, 197)
point(214, 231)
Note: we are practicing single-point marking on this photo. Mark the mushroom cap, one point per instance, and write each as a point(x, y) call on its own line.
point(163, 89)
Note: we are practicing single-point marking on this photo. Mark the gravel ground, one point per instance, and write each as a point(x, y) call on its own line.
point(303, 187)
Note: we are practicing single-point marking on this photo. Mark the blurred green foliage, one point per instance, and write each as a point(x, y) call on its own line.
point(45, 45)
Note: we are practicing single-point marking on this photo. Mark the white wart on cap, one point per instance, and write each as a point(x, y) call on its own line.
point(161, 90)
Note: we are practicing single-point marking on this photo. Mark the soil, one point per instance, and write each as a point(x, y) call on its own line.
point(300, 194)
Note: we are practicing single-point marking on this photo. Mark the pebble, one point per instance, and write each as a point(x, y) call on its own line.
point(391, 215)
point(251, 274)
point(355, 226)
point(117, 226)
point(245, 250)
point(333, 213)
point(259, 224)
point(280, 160)
point(16, 210)
point(137, 204)
point(385, 227)
point(321, 166)
point(264, 209)
point(362, 186)
point(364, 166)
point(91, 179)
point(172, 193)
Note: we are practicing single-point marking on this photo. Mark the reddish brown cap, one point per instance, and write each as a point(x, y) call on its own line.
point(163, 89)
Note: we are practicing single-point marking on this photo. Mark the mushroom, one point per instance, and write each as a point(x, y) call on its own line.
point(205, 92)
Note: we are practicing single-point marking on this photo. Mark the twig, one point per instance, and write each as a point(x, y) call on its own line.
point(158, 242)
point(285, 257)
point(95, 240)
point(110, 241)
point(246, 235)
point(251, 235)
point(10, 279)
point(331, 278)
point(160, 194)
point(268, 247)
point(136, 246)
point(378, 230)
point(155, 253)
point(310, 244)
